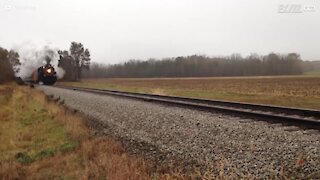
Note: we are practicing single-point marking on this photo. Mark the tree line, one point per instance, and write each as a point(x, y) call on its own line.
point(202, 66)
point(9, 64)
point(76, 64)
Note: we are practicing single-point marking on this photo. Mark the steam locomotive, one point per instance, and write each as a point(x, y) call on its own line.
point(45, 74)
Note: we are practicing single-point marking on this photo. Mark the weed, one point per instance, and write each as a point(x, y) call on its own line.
point(69, 146)
point(24, 158)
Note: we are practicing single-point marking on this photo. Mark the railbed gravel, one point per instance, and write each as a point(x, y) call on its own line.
point(240, 147)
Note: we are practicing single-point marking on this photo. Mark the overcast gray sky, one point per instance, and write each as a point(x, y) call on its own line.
point(118, 30)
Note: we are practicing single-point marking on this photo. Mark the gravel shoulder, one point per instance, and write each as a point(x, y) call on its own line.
point(246, 147)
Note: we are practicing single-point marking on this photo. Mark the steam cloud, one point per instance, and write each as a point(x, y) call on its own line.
point(33, 56)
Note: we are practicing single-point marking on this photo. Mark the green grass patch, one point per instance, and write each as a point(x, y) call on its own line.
point(109, 86)
point(28, 132)
point(313, 73)
point(26, 158)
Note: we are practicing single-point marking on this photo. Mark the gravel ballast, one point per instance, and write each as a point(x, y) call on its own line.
point(241, 147)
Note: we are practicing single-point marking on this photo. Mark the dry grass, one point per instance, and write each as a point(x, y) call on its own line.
point(293, 91)
point(108, 159)
point(93, 158)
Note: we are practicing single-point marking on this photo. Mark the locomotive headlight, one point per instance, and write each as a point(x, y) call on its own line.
point(49, 70)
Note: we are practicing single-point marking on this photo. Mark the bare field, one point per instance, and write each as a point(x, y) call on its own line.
point(292, 91)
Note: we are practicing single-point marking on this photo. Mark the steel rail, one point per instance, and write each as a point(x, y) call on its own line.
point(290, 116)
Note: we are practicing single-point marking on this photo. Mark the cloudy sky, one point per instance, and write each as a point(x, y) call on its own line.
point(118, 30)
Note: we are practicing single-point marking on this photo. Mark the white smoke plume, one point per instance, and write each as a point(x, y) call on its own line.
point(33, 56)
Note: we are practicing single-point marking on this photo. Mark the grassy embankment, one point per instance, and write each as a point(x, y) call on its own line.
point(40, 140)
point(292, 91)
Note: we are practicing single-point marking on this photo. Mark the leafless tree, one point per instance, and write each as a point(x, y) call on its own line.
point(74, 61)
point(203, 66)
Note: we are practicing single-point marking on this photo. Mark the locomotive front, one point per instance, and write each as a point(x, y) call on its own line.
point(45, 74)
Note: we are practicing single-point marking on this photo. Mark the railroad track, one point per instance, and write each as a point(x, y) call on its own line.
point(305, 118)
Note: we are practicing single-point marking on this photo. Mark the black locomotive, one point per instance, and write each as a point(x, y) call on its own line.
point(45, 74)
